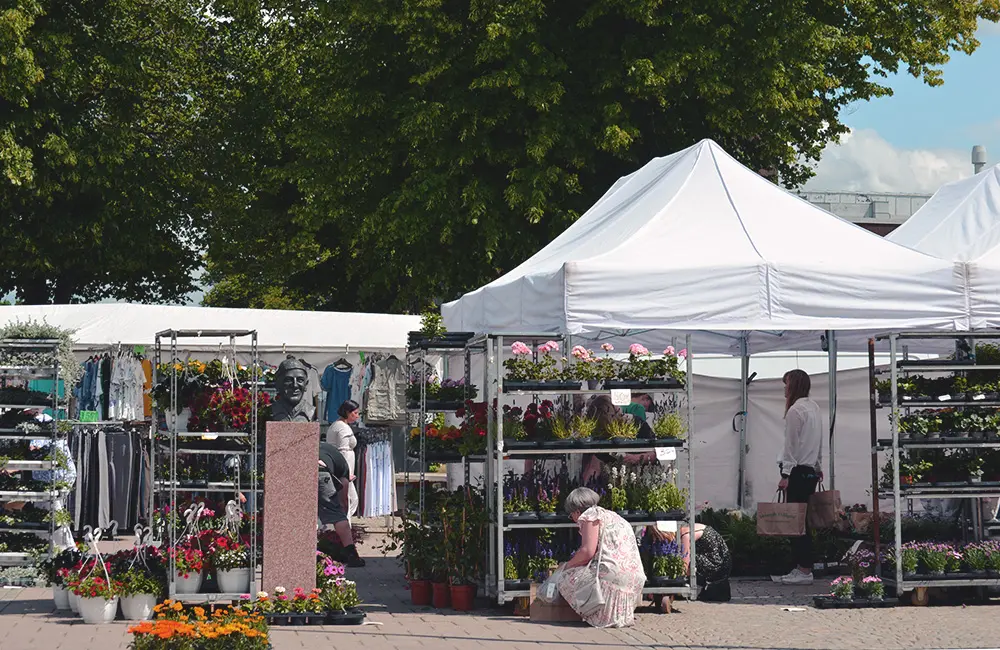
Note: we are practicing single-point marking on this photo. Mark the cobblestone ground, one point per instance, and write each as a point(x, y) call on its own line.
point(755, 619)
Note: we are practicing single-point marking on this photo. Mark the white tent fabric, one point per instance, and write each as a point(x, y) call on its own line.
point(277, 330)
point(961, 223)
point(695, 241)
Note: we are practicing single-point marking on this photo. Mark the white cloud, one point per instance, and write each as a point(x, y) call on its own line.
point(987, 28)
point(865, 162)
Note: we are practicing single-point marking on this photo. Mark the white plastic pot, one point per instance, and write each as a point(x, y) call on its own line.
point(74, 602)
point(61, 597)
point(138, 607)
point(234, 581)
point(96, 611)
point(188, 585)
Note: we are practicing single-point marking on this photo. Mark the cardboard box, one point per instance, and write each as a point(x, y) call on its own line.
point(557, 612)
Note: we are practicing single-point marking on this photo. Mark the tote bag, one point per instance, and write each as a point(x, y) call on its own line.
point(781, 519)
point(824, 508)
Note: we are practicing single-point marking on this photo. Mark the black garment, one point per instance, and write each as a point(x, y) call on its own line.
point(336, 464)
point(712, 557)
point(645, 431)
point(802, 483)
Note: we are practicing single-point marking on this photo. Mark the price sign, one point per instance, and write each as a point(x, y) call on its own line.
point(621, 396)
point(88, 416)
point(666, 453)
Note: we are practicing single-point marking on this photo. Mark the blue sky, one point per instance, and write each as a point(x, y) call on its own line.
point(921, 137)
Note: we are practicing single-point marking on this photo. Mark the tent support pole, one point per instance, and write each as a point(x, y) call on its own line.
point(742, 415)
point(831, 340)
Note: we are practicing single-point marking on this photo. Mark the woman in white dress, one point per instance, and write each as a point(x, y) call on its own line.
point(341, 436)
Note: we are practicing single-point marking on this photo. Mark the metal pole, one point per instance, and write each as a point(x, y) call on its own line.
point(831, 342)
point(896, 496)
point(692, 560)
point(876, 517)
point(744, 405)
point(497, 361)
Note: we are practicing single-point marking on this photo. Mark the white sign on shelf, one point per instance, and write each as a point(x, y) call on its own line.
point(666, 453)
point(621, 396)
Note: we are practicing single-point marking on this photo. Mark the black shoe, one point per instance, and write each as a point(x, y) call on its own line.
point(355, 561)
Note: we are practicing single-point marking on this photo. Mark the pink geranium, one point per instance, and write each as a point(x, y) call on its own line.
point(552, 345)
point(520, 349)
point(580, 352)
point(669, 352)
point(637, 350)
point(607, 347)
point(683, 353)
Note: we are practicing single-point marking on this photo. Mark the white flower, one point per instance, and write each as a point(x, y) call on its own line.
point(633, 478)
point(279, 590)
point(261, 594)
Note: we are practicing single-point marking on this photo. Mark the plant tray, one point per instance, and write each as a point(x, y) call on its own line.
point(552, 518)
point(829, 602)
point(516, 585)
point(25, 525)
point(540, 386)
point(520, 444)
point(672, 515)
point(661, 581)
point(652, 384)
point(635, 515)
point(352, 616)
point(520, 518)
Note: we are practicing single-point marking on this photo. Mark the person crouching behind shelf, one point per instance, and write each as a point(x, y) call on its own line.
point(712, 559)
point(334, 481)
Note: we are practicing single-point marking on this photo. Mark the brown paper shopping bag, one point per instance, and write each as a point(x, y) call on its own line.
point(781, 519)
point(824, 509)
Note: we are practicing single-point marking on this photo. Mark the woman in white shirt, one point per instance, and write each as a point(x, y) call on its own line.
point(799, 464)
point(341, 436)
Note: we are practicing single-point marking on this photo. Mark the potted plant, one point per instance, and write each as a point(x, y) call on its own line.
point(98, 595)
point(616, 486)
point(189, 566)
point(301, 606)
point(513, 568)
point(976, 559)
point(585, 368)
point(842, 588)
point(975, 466)
point(934, 557)
point(664, 500)
point(140, 591)
point(413, 543)
point(280, 607)
point(464, 535)
point(583, 428)
point(666, 564)
point(873, 588)
point(340, 599)
point(992, 550)
point(670, 426)
point(231, 559)
point(622, 430)
point(54, 569)
point(440, 587)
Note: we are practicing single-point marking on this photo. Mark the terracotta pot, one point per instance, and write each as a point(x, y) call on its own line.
point(420, 592)
point(441, 597)
point(463, 597)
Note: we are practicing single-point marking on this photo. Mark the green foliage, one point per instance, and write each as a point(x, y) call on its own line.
point(665, 497)
point(622, 427)
point(432, 324)
point(399, 152)
point(670, 425)
point(69, 368)
point(668, 566)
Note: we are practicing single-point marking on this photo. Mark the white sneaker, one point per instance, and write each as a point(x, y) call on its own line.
point(796, 577)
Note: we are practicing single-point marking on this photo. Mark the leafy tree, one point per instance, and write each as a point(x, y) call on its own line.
point(103, 147)
point(435, 144)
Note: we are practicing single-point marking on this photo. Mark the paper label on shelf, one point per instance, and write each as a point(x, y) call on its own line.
point(666, 526)
point(621, 396)
point(978, 397)
point(944, 398)
point(666, 453)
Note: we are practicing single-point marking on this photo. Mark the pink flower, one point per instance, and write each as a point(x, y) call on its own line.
point(669, 352)
point(580, 352)
point(552, 345)
point(519, 348)
point(637, 350)
point(607, 347)
point(683, 353)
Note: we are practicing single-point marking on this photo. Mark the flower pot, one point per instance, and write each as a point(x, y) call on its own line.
point(463, 597)
point(593, 384)
point(420, 592)
point(61, 597)
point(440, 595)
point(297, 619)
point(74, 602)
point(138, 607)
point(234, 581)
point(96, 611)
point(189, 585)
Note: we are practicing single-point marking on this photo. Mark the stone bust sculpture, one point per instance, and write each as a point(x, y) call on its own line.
point(292, 382)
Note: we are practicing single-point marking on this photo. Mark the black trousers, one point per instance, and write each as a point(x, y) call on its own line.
point(802, 482)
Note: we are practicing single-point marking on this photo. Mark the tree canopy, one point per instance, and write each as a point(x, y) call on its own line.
point(435, 144)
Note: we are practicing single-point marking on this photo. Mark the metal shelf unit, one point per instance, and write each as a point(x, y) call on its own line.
point(417, 355)
point(30, 373)
point(901, 365)
point(167, 342)
point(494, 389)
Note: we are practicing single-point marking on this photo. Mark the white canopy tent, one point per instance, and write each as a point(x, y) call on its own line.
point(961, 223)
point(695, 242)
point(321, 336)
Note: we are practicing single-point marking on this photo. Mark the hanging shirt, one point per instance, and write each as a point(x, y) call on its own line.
point(387, 393)
point(337, 384)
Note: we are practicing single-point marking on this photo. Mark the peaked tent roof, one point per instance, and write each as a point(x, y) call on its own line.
point(961, 222)
point(694, 241)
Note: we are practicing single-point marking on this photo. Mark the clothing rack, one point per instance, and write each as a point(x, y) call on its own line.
point(113, 478)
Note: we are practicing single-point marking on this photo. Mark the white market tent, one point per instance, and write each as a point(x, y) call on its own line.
point(278, 331)
point(695, 242)
point(961, 223)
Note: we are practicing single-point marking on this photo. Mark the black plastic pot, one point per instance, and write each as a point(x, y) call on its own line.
point(353, 616)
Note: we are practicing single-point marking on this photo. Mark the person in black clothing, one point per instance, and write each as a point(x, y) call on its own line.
point(712, 558)
point(334, 480)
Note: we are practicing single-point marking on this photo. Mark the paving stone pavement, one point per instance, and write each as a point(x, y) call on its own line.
point(754, 620)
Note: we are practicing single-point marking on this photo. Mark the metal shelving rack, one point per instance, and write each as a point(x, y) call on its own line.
point(44, 346)
point(901, 364)
point(172, 485)
point(494, 388)
point(418, 352)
